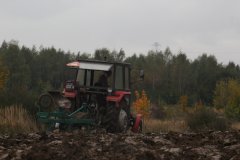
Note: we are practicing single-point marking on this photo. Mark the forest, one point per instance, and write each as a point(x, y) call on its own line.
point(26, 73)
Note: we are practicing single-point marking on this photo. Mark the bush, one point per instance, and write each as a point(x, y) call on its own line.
point(157, 112)
point(142, 104)
point(227, 96)
point(205, 119)
point(233, 112)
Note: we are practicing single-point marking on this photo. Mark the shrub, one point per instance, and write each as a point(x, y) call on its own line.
point(157, 112)
point(233, 112)
point(142, 104)
point(205, 119)
point(183, 102)
point(227, 96)
point(3, 74)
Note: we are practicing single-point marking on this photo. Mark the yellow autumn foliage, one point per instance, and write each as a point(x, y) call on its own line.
point(142, 104)
point(183, 102)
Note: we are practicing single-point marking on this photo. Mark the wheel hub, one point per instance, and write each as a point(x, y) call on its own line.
point(123, 120)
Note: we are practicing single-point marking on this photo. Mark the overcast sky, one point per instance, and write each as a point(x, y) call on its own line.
point(192, 26)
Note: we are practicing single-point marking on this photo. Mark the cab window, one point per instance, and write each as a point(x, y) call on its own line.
point(80, 76)
point(119, 77)
point(127, 78)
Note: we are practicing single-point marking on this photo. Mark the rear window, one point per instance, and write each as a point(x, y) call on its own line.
point(80, 76)
point(119, 77)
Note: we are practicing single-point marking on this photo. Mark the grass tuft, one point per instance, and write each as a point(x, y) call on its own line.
point(159, 126)
point(16, 119)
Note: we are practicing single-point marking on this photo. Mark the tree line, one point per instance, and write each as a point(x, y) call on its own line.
point(169, 76)
point(28, 72)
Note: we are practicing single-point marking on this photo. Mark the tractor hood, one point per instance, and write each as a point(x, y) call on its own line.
point(90, 66)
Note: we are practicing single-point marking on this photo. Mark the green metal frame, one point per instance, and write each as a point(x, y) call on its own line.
point(62, 117)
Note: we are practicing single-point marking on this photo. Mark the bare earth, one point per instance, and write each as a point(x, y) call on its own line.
point(102, 146)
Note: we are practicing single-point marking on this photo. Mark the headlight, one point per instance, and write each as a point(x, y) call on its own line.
point(69, 86)
point(64, 103)
point(109, 90)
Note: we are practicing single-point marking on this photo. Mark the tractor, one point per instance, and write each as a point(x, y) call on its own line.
point(95, 94)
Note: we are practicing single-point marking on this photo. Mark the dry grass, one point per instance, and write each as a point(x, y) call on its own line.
point(235, 125)
point(158, 126)
point(15, 119)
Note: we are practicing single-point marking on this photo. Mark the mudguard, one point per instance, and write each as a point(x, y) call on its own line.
point(70, 94)
point(137, 127)
point(117, 96)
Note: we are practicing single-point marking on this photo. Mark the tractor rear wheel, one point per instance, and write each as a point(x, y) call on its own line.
point(115, 119)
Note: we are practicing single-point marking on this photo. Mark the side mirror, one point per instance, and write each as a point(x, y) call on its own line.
point(141, 74)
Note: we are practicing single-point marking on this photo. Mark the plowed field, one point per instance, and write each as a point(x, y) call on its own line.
point(98, 145)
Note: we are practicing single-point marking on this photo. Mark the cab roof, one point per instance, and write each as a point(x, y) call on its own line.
point(94, 65)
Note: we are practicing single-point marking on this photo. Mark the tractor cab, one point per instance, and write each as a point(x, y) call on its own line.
point(98, 88)
point(97, 77)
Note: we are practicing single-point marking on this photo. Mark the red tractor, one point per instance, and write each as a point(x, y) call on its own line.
point(97, 93)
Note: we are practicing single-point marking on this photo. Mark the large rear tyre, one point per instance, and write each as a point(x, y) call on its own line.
point(115, 119)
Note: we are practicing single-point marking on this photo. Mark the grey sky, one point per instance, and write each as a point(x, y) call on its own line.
point(193, 26)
